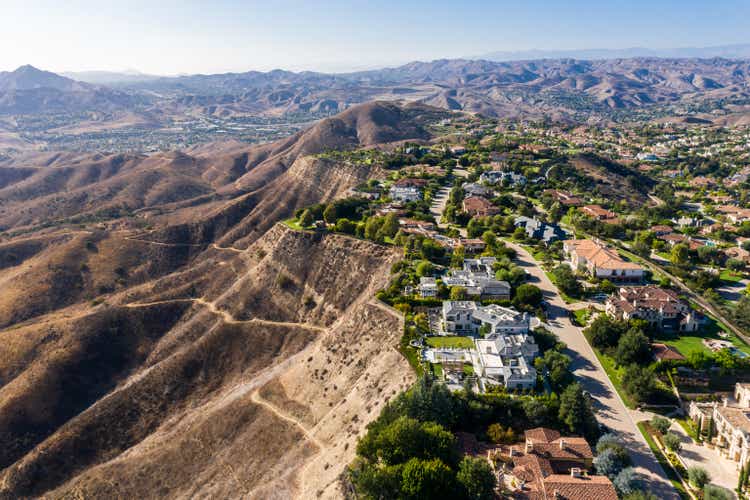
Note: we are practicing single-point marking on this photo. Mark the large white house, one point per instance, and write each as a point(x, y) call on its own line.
point(405, 193)
point(730, 424)
point(478, 278)
point(466, 317)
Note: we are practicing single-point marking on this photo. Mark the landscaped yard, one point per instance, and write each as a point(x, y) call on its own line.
point(454, 342)
point(582, 316)
point(727, 275)
point(693, 342)
point(615, 375)
point(293, 223)
point(672, 475)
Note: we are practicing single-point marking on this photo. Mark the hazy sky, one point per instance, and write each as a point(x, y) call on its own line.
point(190, 36)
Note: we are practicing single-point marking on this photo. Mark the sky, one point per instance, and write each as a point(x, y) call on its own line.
point(168, 37)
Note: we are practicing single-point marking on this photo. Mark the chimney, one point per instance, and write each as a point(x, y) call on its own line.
point(724, 401)
point(562, 444)
point(529, 446)
point(575, 472)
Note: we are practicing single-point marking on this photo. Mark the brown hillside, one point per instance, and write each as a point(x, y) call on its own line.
point(191, 346)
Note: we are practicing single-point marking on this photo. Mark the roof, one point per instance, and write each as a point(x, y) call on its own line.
point(477, 203)
point(600, 256)
point(541, 434)
point(409, 181)
point(739, 418)
point(599, 211)
point(664, 352)
point(567, 487)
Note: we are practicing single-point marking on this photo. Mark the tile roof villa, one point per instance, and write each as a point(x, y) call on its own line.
point(601, 261)
point(547, 466)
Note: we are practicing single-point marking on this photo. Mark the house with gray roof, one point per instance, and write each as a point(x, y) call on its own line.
point(538, 230)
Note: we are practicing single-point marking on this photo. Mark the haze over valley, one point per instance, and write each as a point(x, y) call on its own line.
point(493, 272)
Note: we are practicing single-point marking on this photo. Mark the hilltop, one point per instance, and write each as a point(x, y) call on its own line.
point(156, 315)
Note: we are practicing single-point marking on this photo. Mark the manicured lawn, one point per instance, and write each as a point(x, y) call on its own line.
point(293, 223)
point(454, 342)
point(686, 344)
point(437, 369)
point(672, 475)
point(693, 342)
point(582, 316)
point(615, 375)
point(727, 275)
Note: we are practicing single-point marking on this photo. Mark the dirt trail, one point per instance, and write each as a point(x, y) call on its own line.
point(225, 315)
point(255, 398)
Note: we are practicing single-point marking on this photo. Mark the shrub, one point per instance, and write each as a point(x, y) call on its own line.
point(711, 492)
point(672, 442)
point(661, 424)
point(698, 477)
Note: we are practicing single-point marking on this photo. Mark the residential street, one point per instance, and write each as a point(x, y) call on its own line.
point(611, 411)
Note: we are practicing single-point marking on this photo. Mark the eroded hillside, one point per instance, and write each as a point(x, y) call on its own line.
point(190, 345)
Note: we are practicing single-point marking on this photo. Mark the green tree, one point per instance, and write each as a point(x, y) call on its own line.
point(698, 476)
point(498, 434)
point(458, 293)
point(427, 479)
point(407, 438)
point(611, 462)
point(640, 495)
point(565, 280)
point(306, 219)
point(672, 441)
point(458, 256)
point(604, 332)
point(372, 228)
point(424, 268)
point(661, 424)
point(389, 228)
point(330, 214)
point(346, 226)
point(633, 347)
point(557, 365)
point(575, 411)
point(639, 383)
point(476, 478)
point(680, 254)
point(626, 481)
point(527, 296)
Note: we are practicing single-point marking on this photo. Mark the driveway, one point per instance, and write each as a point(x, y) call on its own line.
point(611, 410)
point(723, 472)
point(441, 200)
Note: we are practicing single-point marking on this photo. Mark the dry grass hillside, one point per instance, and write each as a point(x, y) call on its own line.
point(193, 346)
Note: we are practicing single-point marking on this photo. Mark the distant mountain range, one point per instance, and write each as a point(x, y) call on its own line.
point(559, 88)
point(737, 51)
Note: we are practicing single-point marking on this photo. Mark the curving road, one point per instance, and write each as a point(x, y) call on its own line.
point(611, 411)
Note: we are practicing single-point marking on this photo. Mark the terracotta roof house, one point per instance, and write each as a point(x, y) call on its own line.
point(548, 466)
point(598, 212)
point(661, 307)
point(564, 198)
point(600, 261)
point(661, 230)
point(411, 182)
point(479, 207)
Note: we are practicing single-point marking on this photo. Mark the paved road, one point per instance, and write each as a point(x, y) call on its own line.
point(611, 410)
point(441, 200)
